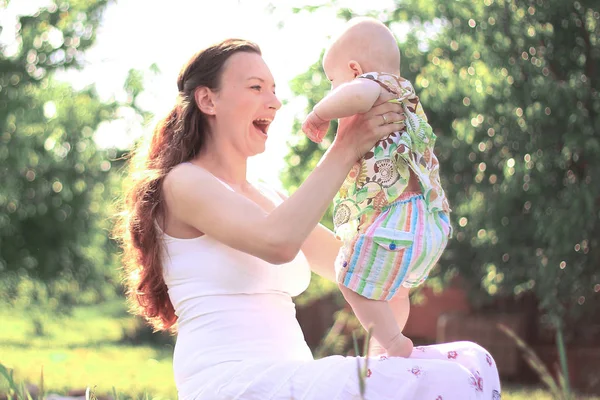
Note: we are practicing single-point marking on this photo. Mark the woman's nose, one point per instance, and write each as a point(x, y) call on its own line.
point(274, 102)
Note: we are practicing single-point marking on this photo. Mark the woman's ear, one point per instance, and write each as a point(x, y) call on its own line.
point(355, 67)
point(205, 100)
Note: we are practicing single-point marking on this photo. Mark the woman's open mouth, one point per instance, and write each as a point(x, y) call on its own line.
point(262, 125)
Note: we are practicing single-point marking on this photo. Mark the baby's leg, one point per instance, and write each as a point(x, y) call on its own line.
point(378, 315)
point(400, 306)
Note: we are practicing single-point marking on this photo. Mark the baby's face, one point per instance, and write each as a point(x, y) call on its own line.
point(338, 70)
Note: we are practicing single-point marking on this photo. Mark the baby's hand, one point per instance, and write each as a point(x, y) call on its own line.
point(315, 127)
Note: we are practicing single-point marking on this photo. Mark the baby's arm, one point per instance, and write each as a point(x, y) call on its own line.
point(355, 97)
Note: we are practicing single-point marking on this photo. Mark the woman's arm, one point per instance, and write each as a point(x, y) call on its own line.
point(197, 198)
point(320, 249)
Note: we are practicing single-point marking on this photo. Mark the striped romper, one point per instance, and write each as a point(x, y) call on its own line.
point(391, 237)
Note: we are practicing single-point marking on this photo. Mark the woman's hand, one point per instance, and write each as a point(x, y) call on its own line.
point(359, 133)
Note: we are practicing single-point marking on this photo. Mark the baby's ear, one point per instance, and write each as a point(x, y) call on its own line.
point(355, 67)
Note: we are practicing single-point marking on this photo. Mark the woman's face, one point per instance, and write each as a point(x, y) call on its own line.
point(246, 103)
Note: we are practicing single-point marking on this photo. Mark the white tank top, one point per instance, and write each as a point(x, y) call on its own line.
point(231, 306)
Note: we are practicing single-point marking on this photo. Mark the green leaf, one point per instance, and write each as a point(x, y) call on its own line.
point(361, 195)
point(378, 152)
point(392, 192)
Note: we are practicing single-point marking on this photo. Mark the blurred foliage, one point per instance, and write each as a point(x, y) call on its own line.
point(512, 91)
point(56, 185)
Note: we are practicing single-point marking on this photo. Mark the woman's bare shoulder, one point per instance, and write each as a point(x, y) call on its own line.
point(186, 173)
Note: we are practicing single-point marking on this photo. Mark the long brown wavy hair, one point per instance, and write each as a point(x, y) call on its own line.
point(177, 138)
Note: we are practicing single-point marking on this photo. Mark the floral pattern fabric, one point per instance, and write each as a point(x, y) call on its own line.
point(449, 371)
point(382, 175)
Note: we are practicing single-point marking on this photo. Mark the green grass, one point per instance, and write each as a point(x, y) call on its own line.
point(87, 349)
point(519, 393)
point(84, 350)
point(515, 392)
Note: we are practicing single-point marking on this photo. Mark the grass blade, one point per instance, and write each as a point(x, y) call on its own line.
point(534, 361)
point(361, 377)
point(562, 355)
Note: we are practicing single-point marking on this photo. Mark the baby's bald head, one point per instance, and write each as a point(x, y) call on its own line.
point(368, 42)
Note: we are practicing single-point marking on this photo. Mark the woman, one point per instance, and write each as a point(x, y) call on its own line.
point(223, 257)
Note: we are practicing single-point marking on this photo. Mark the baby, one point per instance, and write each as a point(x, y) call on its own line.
point(391, 212)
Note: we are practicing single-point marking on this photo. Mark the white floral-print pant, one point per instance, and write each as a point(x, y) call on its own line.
point(450, 371)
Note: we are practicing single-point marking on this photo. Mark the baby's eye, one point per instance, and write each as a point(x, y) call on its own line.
point(256, 87)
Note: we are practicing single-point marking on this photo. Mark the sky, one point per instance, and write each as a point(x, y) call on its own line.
point(139, 33)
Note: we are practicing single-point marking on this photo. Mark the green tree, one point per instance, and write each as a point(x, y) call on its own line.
point(511, 89)
point(56, 186)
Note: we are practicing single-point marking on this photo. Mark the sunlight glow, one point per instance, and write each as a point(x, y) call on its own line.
point(136, 36)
